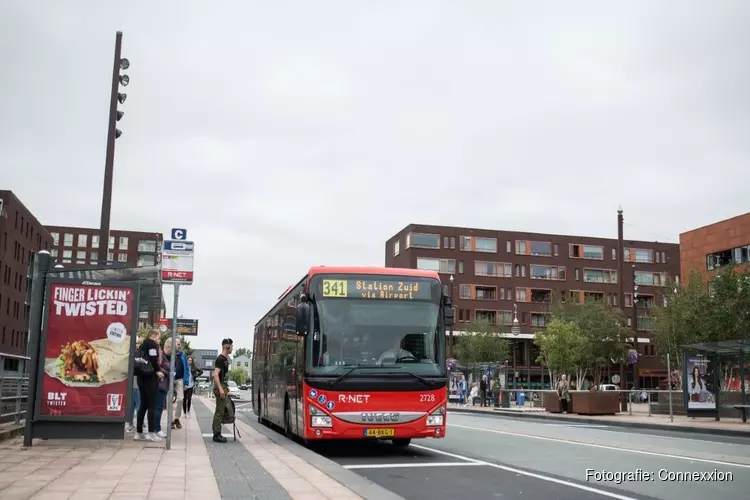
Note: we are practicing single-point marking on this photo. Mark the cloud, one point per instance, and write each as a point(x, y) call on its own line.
point(289, 134)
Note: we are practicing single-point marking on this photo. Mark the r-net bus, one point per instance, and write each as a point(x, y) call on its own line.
point(355, 353)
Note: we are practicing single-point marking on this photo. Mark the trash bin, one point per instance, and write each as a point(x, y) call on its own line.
point(506, 399)
point(521, 398)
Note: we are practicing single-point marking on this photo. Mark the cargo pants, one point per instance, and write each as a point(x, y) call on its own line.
point(219, 411)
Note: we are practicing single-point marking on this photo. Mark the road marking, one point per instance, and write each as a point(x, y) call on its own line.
point(411, 465)
point(604, 447)
point(529, 474)
point(579, 425)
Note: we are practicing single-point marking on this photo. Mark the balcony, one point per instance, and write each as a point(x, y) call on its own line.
point(486, 293)
point(541, 296)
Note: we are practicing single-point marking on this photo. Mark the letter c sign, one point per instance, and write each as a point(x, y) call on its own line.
point(179, 234)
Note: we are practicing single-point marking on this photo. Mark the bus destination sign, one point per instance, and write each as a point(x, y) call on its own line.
point(377, 289)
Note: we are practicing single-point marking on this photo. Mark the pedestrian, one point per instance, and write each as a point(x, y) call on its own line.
point(148, 386)
point(181, 379)
point(187, 401)
point(483, 391)
point(135, 401)
point(562, 393)
point(161, 397)
point(462, 390)
point(221, 391)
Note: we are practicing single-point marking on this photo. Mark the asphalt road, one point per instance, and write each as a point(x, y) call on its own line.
point(485, 457)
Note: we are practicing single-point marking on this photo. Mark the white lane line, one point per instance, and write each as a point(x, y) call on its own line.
point(411, 465)
point(604, 447)
point(578, 425)
point(530, 474)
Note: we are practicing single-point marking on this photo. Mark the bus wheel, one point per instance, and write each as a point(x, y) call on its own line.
point(402, 443)
point(287, 420)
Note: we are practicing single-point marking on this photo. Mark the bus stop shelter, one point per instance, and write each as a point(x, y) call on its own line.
point(723, 353)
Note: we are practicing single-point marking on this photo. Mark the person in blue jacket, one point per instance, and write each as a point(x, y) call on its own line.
point(182, 378)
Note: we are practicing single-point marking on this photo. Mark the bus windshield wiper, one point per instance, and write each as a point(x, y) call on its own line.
point(349, 372)
point(418, 377)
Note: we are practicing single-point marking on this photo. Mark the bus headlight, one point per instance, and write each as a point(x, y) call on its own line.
point(321, 421)
point(437, 417)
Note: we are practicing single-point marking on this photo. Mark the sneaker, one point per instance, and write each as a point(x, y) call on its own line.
point(139, 436)
point(129, 428)
point(218, 438)
point(177, 423)
point(152, 437)
point(161, 434)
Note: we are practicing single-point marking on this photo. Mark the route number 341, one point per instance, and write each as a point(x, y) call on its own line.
point(426, 398)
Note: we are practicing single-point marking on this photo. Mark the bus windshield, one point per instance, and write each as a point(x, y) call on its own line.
point(349, 332)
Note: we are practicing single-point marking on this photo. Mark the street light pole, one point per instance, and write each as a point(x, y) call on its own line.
point(636, 378)
point(621, 293)
point(453, 304)
point(112, 135)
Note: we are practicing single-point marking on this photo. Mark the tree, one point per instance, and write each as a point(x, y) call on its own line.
point(243, 351)
point(562, 348)
point(238, 375)
point(692, 313)
point(481, 343)
point(602, 329)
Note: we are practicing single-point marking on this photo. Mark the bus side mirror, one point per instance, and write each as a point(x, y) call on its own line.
point(303, 315)
point(448, 314)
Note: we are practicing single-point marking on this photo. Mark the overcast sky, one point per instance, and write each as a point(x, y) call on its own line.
point(287, 134)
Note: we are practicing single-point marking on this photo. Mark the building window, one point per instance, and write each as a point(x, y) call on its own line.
point(123, 242)
point(541, 248)
point(485, 292)
point(464, 243)
point(508, 246)
point(81, 255)
point(664, 255)
point(521, 247)
point(593, 252)
point(422, 240)
point(644, 323)
point(520, 295)
point(614, 254)
point(83, 240)
point(460, 267)
point(578, 277)
point(122, 257)
point(505, 317)
point(67, 254)
point(53, 252)
point(111, 243)
point(738, 255)
point(453, 242)
point(546, 272)
point(539, 320)
point(477, 244)
point(94, 256)
point(150, 246)
point(464, 291)
point(493, 269)
point(94, 241)
point(650, 279)
point(556, 249)
point(110, 256)
point(520, 271)
point(628, 300)
point(68, 240)
point(641, 255)
point(396, 247)
point(447, 266)
point(599, 275)
point(55, 238)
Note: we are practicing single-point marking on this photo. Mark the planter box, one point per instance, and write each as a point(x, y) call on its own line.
point(595, 402)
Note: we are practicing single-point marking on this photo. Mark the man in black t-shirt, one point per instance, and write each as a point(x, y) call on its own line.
point(221, 392)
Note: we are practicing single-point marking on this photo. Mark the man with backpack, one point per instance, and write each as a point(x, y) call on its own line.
point(221, 391)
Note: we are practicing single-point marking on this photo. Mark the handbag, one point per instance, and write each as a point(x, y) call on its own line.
point(142, 367)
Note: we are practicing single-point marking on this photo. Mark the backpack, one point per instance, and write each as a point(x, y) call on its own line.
point(229, 414)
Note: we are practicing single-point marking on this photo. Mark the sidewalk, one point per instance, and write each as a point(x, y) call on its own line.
point(728, 426)
point(195, 468)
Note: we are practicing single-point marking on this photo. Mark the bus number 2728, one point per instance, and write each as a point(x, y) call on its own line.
point(425, 398)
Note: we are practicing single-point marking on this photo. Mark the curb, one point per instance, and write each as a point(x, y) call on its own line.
point(11, 431)
point(614, 423)
point(358, 484)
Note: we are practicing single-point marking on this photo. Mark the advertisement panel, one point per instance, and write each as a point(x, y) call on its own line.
point(698, 383)
point(86, 345)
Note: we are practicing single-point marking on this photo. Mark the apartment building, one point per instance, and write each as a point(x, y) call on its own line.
point(493, 270)
point(21, 236)
point(709, 248)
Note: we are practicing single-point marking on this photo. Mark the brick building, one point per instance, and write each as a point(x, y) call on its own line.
point(21, 236)
point(493, 270)
point(79, 247)
point(711, 247)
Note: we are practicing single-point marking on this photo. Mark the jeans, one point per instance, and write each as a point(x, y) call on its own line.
point(149, 389)
point(136, 401)
point(160, 400)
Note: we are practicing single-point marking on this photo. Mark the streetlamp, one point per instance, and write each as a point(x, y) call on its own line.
point(450, 350)
point(636, 378)
point(113, 134)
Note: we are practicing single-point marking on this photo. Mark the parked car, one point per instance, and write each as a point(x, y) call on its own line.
point(234, 390)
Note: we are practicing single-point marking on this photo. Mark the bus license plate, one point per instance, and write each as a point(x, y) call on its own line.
point(380, 433)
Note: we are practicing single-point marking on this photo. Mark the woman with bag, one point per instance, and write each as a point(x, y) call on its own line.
point(562, 393)
point(146, 370)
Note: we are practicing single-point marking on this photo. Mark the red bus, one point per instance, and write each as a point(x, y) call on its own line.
point(355, 353)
